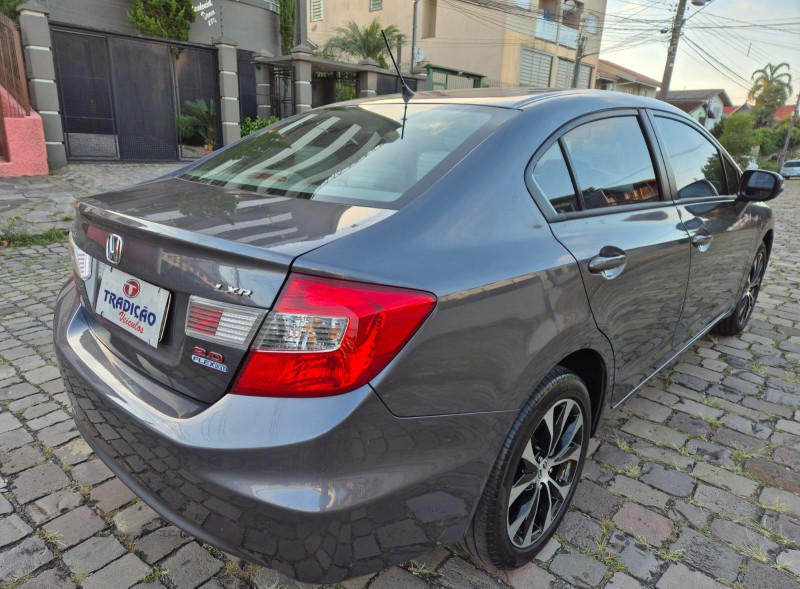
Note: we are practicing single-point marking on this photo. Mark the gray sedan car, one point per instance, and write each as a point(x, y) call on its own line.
point(373, 329)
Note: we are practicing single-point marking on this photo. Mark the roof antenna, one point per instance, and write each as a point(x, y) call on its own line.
point(406, 92)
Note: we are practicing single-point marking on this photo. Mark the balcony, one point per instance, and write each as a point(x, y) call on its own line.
point(547, 30)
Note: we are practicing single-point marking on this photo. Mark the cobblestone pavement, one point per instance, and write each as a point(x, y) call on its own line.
point(37, 203)
point(694, 485)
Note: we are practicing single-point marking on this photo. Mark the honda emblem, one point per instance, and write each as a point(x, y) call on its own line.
point(114, 248)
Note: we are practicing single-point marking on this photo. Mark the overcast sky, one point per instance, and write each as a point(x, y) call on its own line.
point(723, 43)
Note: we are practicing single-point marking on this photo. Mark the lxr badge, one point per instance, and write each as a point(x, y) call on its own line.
point(211, 359)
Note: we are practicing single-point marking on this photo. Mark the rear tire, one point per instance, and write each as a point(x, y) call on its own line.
point(735, 323)
point(535, 476)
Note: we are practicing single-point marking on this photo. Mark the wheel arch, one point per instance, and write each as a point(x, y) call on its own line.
point(768, 238)
point(590, 366)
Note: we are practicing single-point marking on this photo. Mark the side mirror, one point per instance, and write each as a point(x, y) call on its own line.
point(760, 185)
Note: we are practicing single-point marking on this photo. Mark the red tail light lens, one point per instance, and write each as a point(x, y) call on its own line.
point(327, 336)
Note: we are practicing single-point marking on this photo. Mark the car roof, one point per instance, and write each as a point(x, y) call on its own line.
point(524, 98)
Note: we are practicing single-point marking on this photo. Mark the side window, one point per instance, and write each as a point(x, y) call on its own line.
point(695, 160)
point(733, 176)
point(552, 178)
point(612, 163)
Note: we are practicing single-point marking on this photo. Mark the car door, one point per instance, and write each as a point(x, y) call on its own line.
point(602, 191)
point(703, 184)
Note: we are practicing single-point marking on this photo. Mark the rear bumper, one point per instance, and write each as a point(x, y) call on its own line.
point(319, 489)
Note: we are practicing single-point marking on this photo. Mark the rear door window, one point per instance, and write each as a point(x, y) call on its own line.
point(696, 162)
point(612, 163)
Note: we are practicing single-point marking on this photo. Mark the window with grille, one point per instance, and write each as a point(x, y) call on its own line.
point(375, 5)
point(317, 10)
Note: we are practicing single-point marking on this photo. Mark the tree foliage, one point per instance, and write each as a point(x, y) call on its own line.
point(169, 19)
point(771, 88)
point(363, 43)
point(9, 8)
point(287, 25)
point(737, 135)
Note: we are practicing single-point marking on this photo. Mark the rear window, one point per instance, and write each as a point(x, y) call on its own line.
point(792, 164)
point(376, 155)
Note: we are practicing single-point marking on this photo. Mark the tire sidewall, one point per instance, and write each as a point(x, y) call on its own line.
point(565, 386)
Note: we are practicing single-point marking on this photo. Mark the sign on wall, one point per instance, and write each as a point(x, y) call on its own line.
point(206, 11)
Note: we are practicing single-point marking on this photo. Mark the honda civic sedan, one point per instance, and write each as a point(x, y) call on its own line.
point(376, 328)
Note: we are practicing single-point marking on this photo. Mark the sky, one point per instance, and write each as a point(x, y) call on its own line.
point(722, 45)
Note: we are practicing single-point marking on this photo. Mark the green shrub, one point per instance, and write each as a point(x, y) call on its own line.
point(9, 8)
point(771, 166)
point(202, 116)
point(186, 127)
point(169, 19)
point(252, 125)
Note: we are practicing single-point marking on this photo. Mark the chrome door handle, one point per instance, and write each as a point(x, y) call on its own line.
point(702, 241)
point(600, 264)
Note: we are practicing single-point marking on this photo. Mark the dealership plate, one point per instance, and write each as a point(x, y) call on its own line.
point(134, 305)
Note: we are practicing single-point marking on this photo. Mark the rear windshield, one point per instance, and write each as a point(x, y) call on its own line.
point(792, 164)
point(377, 155)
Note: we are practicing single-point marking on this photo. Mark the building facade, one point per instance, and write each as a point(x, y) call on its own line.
point(509, 43)
point(611, 76)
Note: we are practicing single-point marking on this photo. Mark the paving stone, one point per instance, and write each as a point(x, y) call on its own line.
point(12, 528)
point(74, 452)
point(659, 396)
point(679, 576)
point(49, 579)
point(47, 420)
point(57, 434)
point(789, 501)
point(20, 459)
point(191, 565)
point(699, 410)
point(667, 480)
point(694, 426)
point(664, 455)
point(742, 386)
point(744, 426)
point(93, 554)
point(133, 520)
point(38, 481)
point(698, 372)
point(548, 550)
point(595, 500)
point(782, 398)
point(788, 457)
point(774, 475)
point(578, 569)
point(791, 560)
point(720, 477)
point(638, 521)
point(158, 544)
point(614, 457)
point(734, 439)
point(125, 572)
point(23, 389)
point(723, 503)
point(53, 505)
point(531, 575)
point(8, 422)
point(759, 576)
point(14, 439)
point(647, 409)
point(654, 433)
point(723, 393)
point(24, 558)
point(5, 506)
point(782, 439)
point(709, 556)
point(740, 536)
point(111, 495)
point(41, 375)
point(25, 402)
point(621, 581)
point(639, 492)
point(580, 531)
point(397, 578)
point(782, 524)
point(595, 472)
point(74, 526)
point(788, 426)
point(39, 410)
point(710, 451)
point(91, 472)
point(640, 562)
point(767, 407)
point(697, 517)
point(459, 574)
point(270, 579)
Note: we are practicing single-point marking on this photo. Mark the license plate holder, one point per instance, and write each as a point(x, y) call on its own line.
point(135, 306)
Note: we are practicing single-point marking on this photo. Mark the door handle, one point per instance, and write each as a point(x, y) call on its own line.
point(702, 241)
point(602, 264)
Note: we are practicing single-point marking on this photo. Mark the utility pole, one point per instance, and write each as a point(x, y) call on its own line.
point(414, 40)
point(576, 74)
point(677, 29)
point(792, 120)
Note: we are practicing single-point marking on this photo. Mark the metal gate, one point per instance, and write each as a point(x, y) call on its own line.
point(281, 84)
point(122, 96)
point(13, 87)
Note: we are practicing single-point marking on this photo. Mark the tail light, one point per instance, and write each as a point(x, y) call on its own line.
point(81, 261)
point(327, 336)
point(233, 325)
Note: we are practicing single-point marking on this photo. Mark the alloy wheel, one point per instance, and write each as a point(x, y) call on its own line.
point(748, 301)
point(546, 473)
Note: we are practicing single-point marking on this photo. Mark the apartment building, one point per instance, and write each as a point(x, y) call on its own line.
point(508, 42)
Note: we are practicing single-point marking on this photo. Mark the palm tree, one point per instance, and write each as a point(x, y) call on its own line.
point(769, 76)
point(366, 43)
